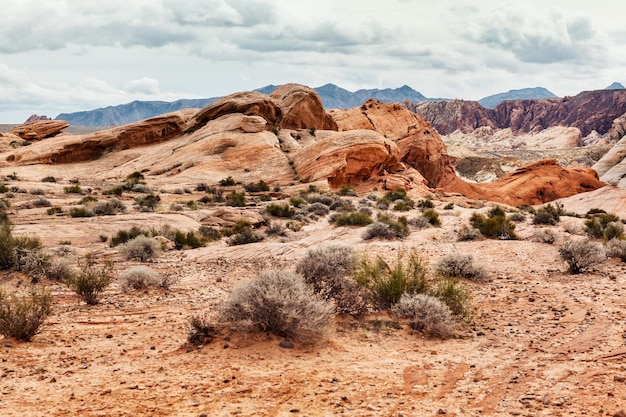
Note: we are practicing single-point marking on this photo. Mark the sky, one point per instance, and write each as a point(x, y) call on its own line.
point(72, 55)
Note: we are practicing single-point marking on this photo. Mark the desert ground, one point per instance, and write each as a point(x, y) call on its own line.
point(543, 342)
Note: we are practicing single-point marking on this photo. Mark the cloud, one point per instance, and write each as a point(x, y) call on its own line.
point(147, 86)
point(535, 37)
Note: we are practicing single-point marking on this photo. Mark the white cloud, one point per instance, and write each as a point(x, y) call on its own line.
point(145, 85)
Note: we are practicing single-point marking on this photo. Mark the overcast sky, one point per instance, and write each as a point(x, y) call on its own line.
point(71, 55)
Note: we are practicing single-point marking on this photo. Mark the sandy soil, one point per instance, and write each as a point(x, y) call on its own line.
point(544, 342)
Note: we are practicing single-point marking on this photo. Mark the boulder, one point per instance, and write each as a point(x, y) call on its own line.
point(302, 108)
point(347, 158)
point(40, 129)
point(228, 216)
point(612, 166)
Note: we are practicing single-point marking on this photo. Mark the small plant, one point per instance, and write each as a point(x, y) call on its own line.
point(256, 187)
point(388, 228)
point(312, 131)
point(22, 317)
point(389, 281)
point(37, 191)
point(420, 222)
point(581, 255)
point(236, 199)
point(453, 294)
point(80, 211)
point(457, 265)
point(227, 182)
point(210, 234)
point(517, 217)
point(141, 248)
point(466, 233)
point(138, 278)
point(49, 178)
point(91, 280)
point(426, 313)
point(189, 239)
point(41, 202)
point(495, 226)
point(123, 236)
point(448, 206)
point(543, 236)
point(346, 190)
point(109, 208)
point(297, 202)
point(616, 249)
point(432, 216)
point(73, 189)
point(245, 237)
point(353, 219)
point(60, 270)
point(280, 210)
point(201, 330)
point(148, 202)
point(279, 302)
point(426, 203)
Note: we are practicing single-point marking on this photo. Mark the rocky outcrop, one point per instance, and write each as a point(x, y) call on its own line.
point(587, 111)
point(34, 118)
point(249, 103)
point(40, 129)
point(347, 158)
point(302, 108)
point(536, 183)
point(612, 166)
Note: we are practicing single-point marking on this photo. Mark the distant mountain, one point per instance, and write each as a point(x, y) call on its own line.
point(615, 86)
point(333, 97)
point(490, 102)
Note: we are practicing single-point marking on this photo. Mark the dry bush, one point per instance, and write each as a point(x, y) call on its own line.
point(461, 266)
point(33, 262)
point(616, 249)
point(581, 255)
point(142, 248)
point(139, 278)
point(467, 233)
point(201, 330)
point(327, 270)
point(379, 230)
point(22, 317)
point(279, 302)
point(543, 236)
point(91, 280)
point(420, 222)
point(426, 313)
point(60, 270)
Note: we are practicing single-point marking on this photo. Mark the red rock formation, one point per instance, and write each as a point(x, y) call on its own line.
point(40, 129)
point(302, 108)
point(34, 118)
point(347, 158)
point(536, 183)
point(588, 111)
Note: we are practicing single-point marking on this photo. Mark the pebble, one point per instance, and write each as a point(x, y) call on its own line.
point(286, 344)
point(7, 344)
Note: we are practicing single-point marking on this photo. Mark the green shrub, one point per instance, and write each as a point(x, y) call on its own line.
point(616, 249)
point(581, 255)
point(236, 199)
point(457, 265)
point(426, 203)
point(280, 210)
point(60, 270)
point(297, 202)
point(279, 302)
point(432, 216)
point(201, 330)
point(453, 294)
point(22, 317)
point(256, 187)
point(517, 217)
point(448, 206)
point(80, 212)
point(346, 190)
point(497, 226)
point(546, 216)
point(226, 182)
point(353, 219)
point(148, 202)
point(3, 189)
point(401, 206)
point(141, 248)
point(388, 228)
point(613, 230)
point(41, 202)
point(389, 281)
point(245, 237)
point(7, 245)
point(73, 189)
point(426, 313)
point(54, 210)
point(209, 233)
point(138, 278)
point(109, 208)
point(543, 236)
point(189, 239)
point(123, 236)
point(91, 280)
point(49, 178)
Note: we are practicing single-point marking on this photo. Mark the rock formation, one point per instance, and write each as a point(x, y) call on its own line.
point(39, 129)
point(302, 108)
point(612, 166)
point(449, 116)
point(34, 118)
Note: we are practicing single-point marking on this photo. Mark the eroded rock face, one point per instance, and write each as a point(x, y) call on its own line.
point(347, 158)
point(40, 129)
point(612, 166)
point(302, 108)
point(450, 116)
point(536, 183)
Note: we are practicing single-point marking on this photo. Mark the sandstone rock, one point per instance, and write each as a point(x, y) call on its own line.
point(227, 217)
point(40, 129)
point(449, 116)
point(346, 158)
point(249, 103)
point(34, 118)
point(302, 108)
point(612, 166)
point(253, 124)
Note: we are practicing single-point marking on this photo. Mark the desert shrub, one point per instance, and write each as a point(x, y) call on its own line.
point(346, 190)
point(280, 302)
point(581, 255)
point(54, 210)
point(141, 248)
point(318, 209)
point(398, 194)
point(545, 216)
point(60, 269)
point(496, 211)
point(73, 189)
point(315, 197)
point(457, 265)
point(342, 205)
point(7, 245)
point(245, 237)
point(21, 317)
point(148, 202)
point(138, 278)
point(256, 187)
point(597, 223)
point(543, 236)
point(276, 229)
point(37, 191)
point(353, 219)
point(80, 211)
point(91, 280)
point(378, 230)
point(388, 227)
point(109, 208)
point(280, 210)
point(210, 233)
point(123, 236)
point(448, 206)
point(401, 206)
point(432, 216)
point(613, 230)
point(49, 178)
point(407, 274)
point(327, 269)
point(426, 313)
point(517, 217)
point(420, 222)
point(3, 189)
point(497, 226)
point(189, 239)
point(297, 202)
point(616, 249)
point(201, 330)
point(236, 199)
point(453, 294)
point(32, 262)
point(426, 203)
point(41, 202)
point(226, 182)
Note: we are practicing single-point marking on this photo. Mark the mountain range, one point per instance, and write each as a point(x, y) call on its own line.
point(332, 96)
